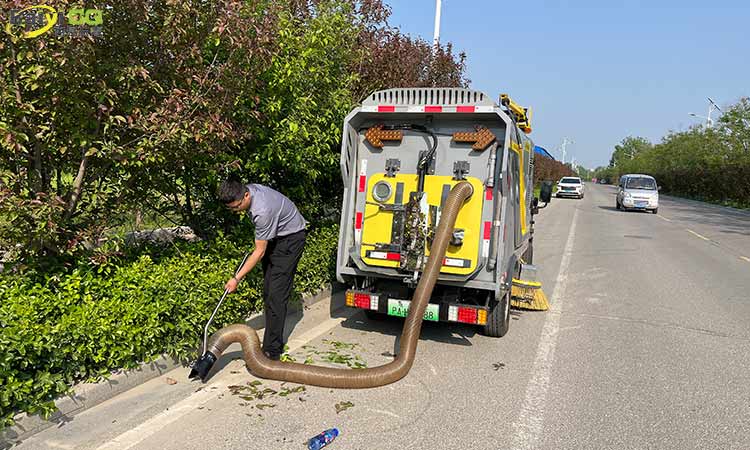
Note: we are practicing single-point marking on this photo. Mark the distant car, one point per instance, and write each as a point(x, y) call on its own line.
point(637, 191)
point(569, 187)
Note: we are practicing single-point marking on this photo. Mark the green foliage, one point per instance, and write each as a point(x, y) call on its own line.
point(629, 148)
point(711, 164)
point(60, 328)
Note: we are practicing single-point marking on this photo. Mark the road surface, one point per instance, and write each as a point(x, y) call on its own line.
point(647, 345)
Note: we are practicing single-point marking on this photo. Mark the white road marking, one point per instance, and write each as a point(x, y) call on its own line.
point(136, 435)
point(527, 428)
point(698, 235)
point(745, 258)
point(664, 218)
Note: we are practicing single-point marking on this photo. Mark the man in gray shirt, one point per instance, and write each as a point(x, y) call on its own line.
point(279, 241)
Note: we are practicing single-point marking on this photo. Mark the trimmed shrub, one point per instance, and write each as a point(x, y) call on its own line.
point(69, 327)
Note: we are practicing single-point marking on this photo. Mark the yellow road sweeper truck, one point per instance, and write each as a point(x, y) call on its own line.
point(403, 150)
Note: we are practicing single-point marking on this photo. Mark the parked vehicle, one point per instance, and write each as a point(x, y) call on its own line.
point(638, 191)
point(570, 187)
point(394, 192)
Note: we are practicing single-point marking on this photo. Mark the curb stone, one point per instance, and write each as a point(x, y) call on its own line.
point(87, 395)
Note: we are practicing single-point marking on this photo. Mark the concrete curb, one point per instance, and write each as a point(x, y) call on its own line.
point(88, 395)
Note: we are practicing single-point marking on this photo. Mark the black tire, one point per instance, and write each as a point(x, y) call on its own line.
point(655, 210)
point(498, 317)
point(374, 315)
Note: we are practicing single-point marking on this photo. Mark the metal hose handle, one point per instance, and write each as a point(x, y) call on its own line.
point(221, 300)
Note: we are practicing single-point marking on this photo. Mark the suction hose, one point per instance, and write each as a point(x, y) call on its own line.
point(263, 367)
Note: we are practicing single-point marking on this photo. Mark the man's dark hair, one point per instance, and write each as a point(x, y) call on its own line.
point(231, 190)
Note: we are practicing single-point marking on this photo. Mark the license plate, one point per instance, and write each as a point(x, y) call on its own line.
point(641, 204)
point(400, 308)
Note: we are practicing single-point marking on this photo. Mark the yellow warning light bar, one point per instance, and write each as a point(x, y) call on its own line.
point(376, 135)
point(521, 114)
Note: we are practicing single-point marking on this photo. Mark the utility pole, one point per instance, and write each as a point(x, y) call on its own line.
point(436, 38)
point(564, 146)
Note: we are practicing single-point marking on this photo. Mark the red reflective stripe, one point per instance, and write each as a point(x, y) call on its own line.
point(445, 261)
point(433, 109)
point(487, 229)
point(488, 194)
point(362, 180)
point(465, 109)
point(358, 221)
point(393, 256)
point(386, 108)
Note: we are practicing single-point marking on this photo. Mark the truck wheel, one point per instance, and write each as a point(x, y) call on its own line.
point(655, 210)
point(498, 318)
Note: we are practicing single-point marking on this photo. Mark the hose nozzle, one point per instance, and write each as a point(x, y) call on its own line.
point(202, 366)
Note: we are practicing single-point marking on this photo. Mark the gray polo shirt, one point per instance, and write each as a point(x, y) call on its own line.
point(274, 215)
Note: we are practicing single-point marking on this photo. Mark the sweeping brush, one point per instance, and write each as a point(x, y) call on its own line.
point(528, 295)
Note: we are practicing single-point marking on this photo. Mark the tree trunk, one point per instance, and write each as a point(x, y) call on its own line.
point(77, 187)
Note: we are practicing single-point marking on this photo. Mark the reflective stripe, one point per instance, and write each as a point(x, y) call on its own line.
point(358, 221)
point(428, 108)
point(363, 176)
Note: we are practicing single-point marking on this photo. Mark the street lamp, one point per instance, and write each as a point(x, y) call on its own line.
point(436, 36)
point(711, 106)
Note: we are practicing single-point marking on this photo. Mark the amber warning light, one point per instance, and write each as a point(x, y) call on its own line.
point(376, 135)
point(481, 138)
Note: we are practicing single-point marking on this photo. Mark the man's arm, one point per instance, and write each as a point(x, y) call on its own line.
point(257, 255)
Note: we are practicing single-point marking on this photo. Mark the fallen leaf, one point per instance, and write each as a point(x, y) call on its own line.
point(171, 381)
point(343, 406)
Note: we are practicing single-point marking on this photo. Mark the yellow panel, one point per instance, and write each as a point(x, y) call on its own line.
point(522, 187)
point(377, 224)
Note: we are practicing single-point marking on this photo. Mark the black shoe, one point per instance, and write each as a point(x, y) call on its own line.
point(272, 356)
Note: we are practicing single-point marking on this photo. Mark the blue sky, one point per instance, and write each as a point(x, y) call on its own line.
point(597, 71)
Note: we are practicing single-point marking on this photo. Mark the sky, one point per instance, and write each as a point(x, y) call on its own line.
point(597, 71)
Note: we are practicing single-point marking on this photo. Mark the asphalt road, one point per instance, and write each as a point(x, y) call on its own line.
point(647, 345)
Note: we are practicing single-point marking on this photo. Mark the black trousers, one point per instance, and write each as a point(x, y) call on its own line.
point(279, 265)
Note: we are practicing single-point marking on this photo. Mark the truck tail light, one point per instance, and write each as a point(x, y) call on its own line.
point(364, 300)
point(467, 314)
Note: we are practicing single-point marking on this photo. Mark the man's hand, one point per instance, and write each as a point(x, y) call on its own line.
point(231, 285)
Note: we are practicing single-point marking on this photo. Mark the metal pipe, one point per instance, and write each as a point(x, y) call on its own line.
point(261, 366)
point(218, 305)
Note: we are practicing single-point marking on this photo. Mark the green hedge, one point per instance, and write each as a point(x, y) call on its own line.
point(81, 325)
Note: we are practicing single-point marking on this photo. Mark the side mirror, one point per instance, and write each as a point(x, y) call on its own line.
point(545, 194)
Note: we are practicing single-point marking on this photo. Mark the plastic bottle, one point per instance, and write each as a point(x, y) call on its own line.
point(323, 439)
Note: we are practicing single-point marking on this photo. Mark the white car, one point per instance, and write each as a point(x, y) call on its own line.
point(638, 191)
point(569, 187)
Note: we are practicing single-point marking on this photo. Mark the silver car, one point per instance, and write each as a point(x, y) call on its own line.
point(638, 191)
